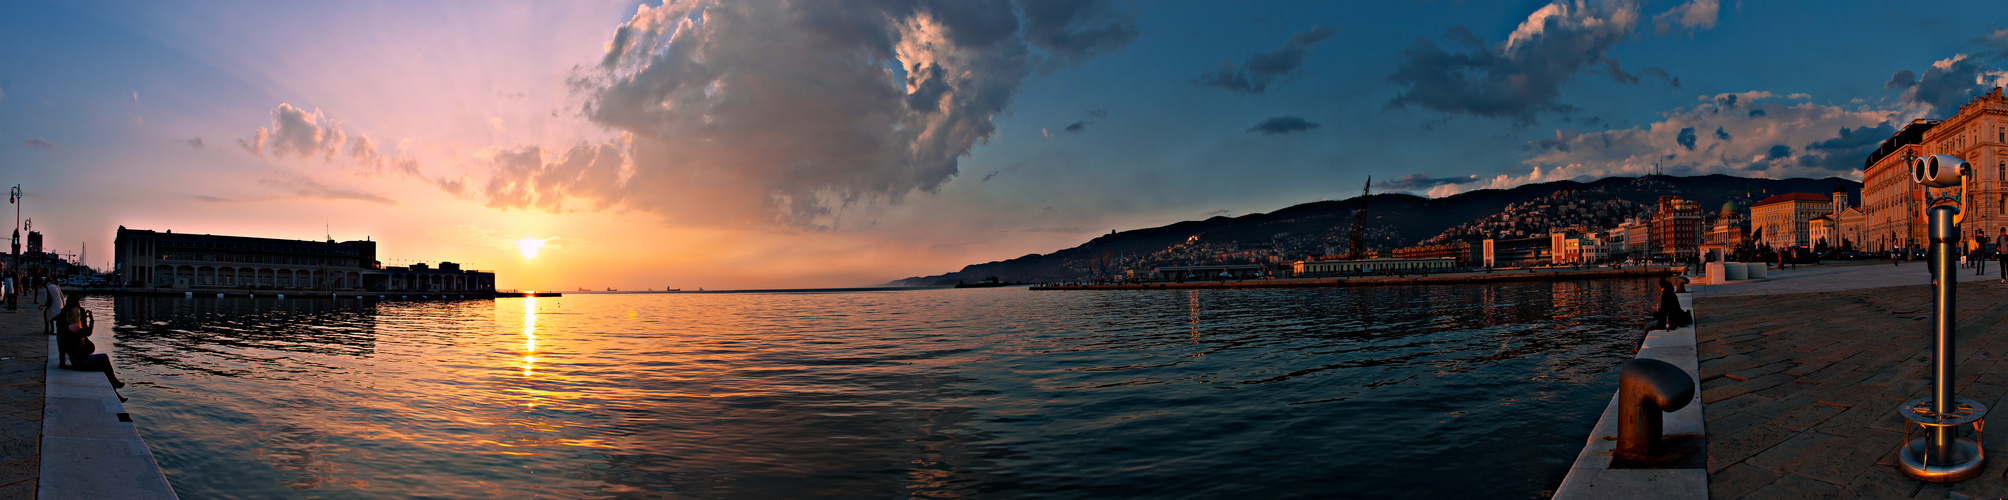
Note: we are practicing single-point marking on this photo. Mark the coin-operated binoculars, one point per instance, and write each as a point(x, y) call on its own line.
point(1941, 455)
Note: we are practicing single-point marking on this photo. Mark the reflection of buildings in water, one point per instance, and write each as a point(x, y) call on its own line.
point(322, 326)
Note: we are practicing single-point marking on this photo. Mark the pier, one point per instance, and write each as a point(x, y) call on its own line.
point(1801, 376)
point(63, 433)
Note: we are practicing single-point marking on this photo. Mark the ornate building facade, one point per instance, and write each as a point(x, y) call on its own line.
point(1892, 202)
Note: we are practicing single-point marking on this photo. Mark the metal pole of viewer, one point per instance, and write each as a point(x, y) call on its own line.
point(1941, 456)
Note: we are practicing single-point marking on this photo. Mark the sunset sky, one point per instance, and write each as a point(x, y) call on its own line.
point(841, 143)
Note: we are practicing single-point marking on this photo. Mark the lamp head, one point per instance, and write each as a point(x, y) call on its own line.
point(1938, 171)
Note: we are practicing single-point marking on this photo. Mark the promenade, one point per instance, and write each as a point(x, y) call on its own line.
point(1802, 373)
point(24, 354)
point(63, 433)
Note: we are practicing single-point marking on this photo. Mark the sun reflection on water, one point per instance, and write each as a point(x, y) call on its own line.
point(529, 336)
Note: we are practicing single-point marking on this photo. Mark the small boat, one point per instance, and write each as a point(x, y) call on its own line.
point(611, 289)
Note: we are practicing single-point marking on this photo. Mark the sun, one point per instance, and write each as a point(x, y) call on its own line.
point(530, 246)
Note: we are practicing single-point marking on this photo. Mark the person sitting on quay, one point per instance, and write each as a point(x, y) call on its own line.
point(73, 345)
point(1669, 315)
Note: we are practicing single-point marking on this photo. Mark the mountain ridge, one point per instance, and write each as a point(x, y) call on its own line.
point(1322, 227)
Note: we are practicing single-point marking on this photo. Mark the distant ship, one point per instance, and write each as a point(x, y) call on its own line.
point(611, 289)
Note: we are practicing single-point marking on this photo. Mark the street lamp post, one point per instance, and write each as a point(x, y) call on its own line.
point(14, 197)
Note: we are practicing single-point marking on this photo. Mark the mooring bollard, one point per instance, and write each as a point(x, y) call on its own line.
point(1647, 389)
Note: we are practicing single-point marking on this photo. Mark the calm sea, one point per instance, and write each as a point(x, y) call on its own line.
point(1378, 392)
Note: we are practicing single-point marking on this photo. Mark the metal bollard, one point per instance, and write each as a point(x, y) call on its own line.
point(1648, 388)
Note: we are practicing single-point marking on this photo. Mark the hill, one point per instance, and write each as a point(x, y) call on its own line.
point(1392, 220)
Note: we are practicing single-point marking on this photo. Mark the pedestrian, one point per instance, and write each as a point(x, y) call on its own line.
point(7, 287)
point(52, 307)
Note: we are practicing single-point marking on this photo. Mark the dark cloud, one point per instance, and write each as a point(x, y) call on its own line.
point(1095, 115)
point(196, 143)
point(1944, 87)
point(1519, 77)
point(1071, 31)
point(1686, 138)
point(1857, 138)
point(37, 142)
point(1722, 135)
point(1756, 112)
point(768, 112)
point(1259, 71)
point(1725, 101)
point(1901, 80)
point(1420, 182)
point(1283, 125)
point(1778, 151)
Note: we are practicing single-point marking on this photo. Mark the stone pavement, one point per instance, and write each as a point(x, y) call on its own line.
point(23, 352)
point(1842, 275)
point(1801, 389)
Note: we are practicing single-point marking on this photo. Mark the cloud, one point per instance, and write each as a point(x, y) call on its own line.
point(1283, 125)
point(1422, 182)
point(307, 187)
point(525, 178)
point(306, 134)
point(1691, 16)
point(37, 142)
point(1521, 76)
point(196, 143)
point(1094, 116)
point(1260, 70)
point(1072, 31)
point(770, 113)
point(1788, 140)
point(1944, 87)
point(1721, 135)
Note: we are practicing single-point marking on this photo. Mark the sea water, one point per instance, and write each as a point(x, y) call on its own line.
point(1425, 392)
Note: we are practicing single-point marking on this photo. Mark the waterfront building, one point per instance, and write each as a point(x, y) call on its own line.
point(1312, 268)
point(1519, 252)
point(1892, 219)
point(1730, 231)
point(1466, 254)
point(1638, 238)
point(1893, 203)
point(1676, 229)
point(1205, 273)
point(1977, 133)
point(1783, 218)
point(155, 259)
point(1614, 243)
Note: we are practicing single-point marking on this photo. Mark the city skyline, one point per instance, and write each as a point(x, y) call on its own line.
point(748, 145)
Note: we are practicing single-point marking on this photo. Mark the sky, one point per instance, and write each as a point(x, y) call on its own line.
point(768, 144)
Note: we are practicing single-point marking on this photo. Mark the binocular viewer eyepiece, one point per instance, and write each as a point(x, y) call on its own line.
point(1938, 171)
